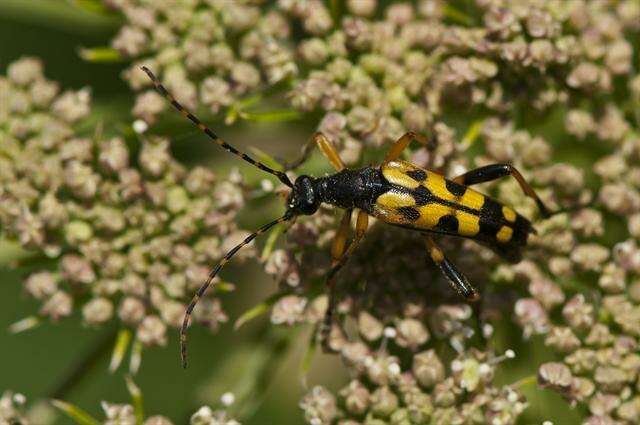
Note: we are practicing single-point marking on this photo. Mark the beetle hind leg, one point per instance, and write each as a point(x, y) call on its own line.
point(496, 171)
point(457, 280)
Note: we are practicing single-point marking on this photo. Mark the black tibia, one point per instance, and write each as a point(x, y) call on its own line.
point(496, 171)
point(483, 174)
point(457, 280)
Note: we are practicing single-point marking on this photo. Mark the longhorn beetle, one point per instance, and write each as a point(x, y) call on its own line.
point(395, 192)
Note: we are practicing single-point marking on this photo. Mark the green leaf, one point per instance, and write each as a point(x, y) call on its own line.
point(136, 357)
point(74, 412)
point(11, 253)
point(271, 241)
point(136, 396)
point(59, 15)
point(265, 158)
point(256, 311)
point(100, 55)
point(231, 116)
point(92, 6)
point(247, 371)
point(25, 324)
point(224, 287)
point(307, 360)
point(283, 115)
point(526, 381)
point(472, 133)
point(234, 111)
point(457, 16)
point(119, 349)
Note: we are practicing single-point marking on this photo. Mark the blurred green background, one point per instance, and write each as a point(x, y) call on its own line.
point(70, 362)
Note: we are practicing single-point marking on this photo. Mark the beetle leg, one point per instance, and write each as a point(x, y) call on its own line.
point(457, 280)
point(401, 144)
point(326, 147)
point(496, 171)
point(340, 256)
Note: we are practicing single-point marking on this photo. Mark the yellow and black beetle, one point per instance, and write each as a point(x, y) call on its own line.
point(398, 193)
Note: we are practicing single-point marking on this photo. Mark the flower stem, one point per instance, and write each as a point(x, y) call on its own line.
point(525, 382)
point(76, 374)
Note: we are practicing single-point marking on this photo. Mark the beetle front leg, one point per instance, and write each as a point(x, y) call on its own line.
point(458, 281)
point(340, 256)
point(326, 147)
point(496, 171)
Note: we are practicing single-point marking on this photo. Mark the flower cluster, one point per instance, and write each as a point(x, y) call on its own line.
point(208, 53)
point(121, 414)
point(426, 391)
point(133, 232)
point(374, 78)
point(377, 78)
point(596, 335)
point(374, 73)
point(12, 408)
point(585, 298)
point(394, 303)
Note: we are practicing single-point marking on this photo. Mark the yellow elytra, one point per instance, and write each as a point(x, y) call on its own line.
point(426, 201)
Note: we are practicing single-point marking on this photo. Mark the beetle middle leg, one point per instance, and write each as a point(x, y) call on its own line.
point(458, 281)
point(339, 257)
point(401, 144)
point(326, 147)
point(496, 171)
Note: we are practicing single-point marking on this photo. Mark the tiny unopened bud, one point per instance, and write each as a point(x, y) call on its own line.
point(140, 126)
point(227, 399)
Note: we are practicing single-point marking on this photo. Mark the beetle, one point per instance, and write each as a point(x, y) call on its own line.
point(397, 193)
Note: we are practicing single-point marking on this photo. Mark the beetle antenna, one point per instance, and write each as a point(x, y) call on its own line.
point(212, 275)
point(185, 112)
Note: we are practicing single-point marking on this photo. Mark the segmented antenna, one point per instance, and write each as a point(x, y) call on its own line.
point(212, 275)
point(185, 112)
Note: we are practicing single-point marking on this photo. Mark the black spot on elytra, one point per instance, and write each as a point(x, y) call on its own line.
point(491, 211)
point(417, 175)
point(448, 224)
point(455, 188)
point(421, 195)
point(409, 213)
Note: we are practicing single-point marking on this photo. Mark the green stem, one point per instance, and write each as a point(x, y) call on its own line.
point(457, 16)
point(80, 416)
point(58, 15)
point(271, 116)
point(248, 371)
point(100, 55)
point(136, 396)
point(120, 348)
point(472, 133)
point(76, 374)
point(525, 382)
point(92, 6)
